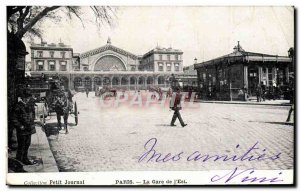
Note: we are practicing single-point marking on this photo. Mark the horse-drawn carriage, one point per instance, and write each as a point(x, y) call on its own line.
point(105, 92)
point(46, 90)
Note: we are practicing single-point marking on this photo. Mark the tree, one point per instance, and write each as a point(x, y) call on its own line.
point(24, 20)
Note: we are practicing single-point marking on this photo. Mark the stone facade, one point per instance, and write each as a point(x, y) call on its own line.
point(109, 66)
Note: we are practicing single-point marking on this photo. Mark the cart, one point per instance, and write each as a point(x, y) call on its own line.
point(44, 91)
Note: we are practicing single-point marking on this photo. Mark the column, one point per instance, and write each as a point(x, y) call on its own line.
point(287, 74)
point(111, 78)
point(246, 77)
point(274, 76)
point(93, 83)
point(259, 74)
point(267, 76)
point(136, 82)
point(70, 82)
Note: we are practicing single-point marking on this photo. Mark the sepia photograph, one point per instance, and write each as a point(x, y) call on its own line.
point(150, 95)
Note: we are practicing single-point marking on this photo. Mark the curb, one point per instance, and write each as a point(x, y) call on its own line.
point(245, 103)
point(49, 163)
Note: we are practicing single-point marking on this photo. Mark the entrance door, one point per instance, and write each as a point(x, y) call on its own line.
point(252, 80)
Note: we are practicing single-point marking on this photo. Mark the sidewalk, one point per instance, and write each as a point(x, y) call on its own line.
point(39, 151)
point(250, 102)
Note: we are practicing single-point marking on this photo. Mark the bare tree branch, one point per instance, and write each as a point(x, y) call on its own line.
point(20, 20)
point(72, 10)
point(25, 19)
point(21, 33)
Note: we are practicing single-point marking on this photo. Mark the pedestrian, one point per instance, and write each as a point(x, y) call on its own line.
point(258, 93)
point(175, 106)
point(291, 96)
point(87, 92)
point(32, 104)
point(23, 119)
point(61, 107)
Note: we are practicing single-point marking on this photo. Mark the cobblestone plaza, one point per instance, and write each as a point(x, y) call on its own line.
point(113, 139)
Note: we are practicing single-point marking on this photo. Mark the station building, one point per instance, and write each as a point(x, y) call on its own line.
point(107, 65)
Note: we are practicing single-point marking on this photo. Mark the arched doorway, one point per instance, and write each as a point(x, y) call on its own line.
point(115, 81)
point(141, 82)
point(161, 81)
point(132, 82)
point(106, 81)
point(150, 80)
point(77, 83)
point(88, 83)
point(124, 82)
point(97, 82)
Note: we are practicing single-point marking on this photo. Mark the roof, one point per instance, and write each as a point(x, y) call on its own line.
point(108, 46)
point(240, 54)
point(160, 50)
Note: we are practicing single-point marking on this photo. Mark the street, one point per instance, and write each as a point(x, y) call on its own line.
point(113, 139)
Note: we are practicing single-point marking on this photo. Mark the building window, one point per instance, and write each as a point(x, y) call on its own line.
point(160, 67)
point(40, 65)
point(52, 66)
point(168, 67)
point(85, 68)
point(63, 54)
point(160, 57)
point(51, 54)
point(132, 68)
point(176, 57)
point(169, 57)
point(176, 67)
point(63, 66)
point(40, 54)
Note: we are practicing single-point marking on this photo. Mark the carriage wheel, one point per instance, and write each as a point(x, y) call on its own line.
point(76, 113)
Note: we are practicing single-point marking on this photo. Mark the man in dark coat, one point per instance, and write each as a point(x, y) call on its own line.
point(61, 107)
point(23, 120)
point(176, 107)
point(258, 93)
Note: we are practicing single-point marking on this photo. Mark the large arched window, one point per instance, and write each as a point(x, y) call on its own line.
point(109, 63)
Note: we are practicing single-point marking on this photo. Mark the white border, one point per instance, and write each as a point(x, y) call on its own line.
point(3, 94)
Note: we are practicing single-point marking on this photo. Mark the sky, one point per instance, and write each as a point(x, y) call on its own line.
point(200, 32)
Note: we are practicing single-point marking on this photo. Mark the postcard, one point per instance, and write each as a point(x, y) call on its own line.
point(150, 95)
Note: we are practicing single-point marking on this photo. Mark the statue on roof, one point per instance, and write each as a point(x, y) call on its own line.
point(108, 40)
point(238, 48)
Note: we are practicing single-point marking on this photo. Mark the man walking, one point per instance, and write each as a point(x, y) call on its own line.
point(23, 120)
point(87, 92)
point(175, 106)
